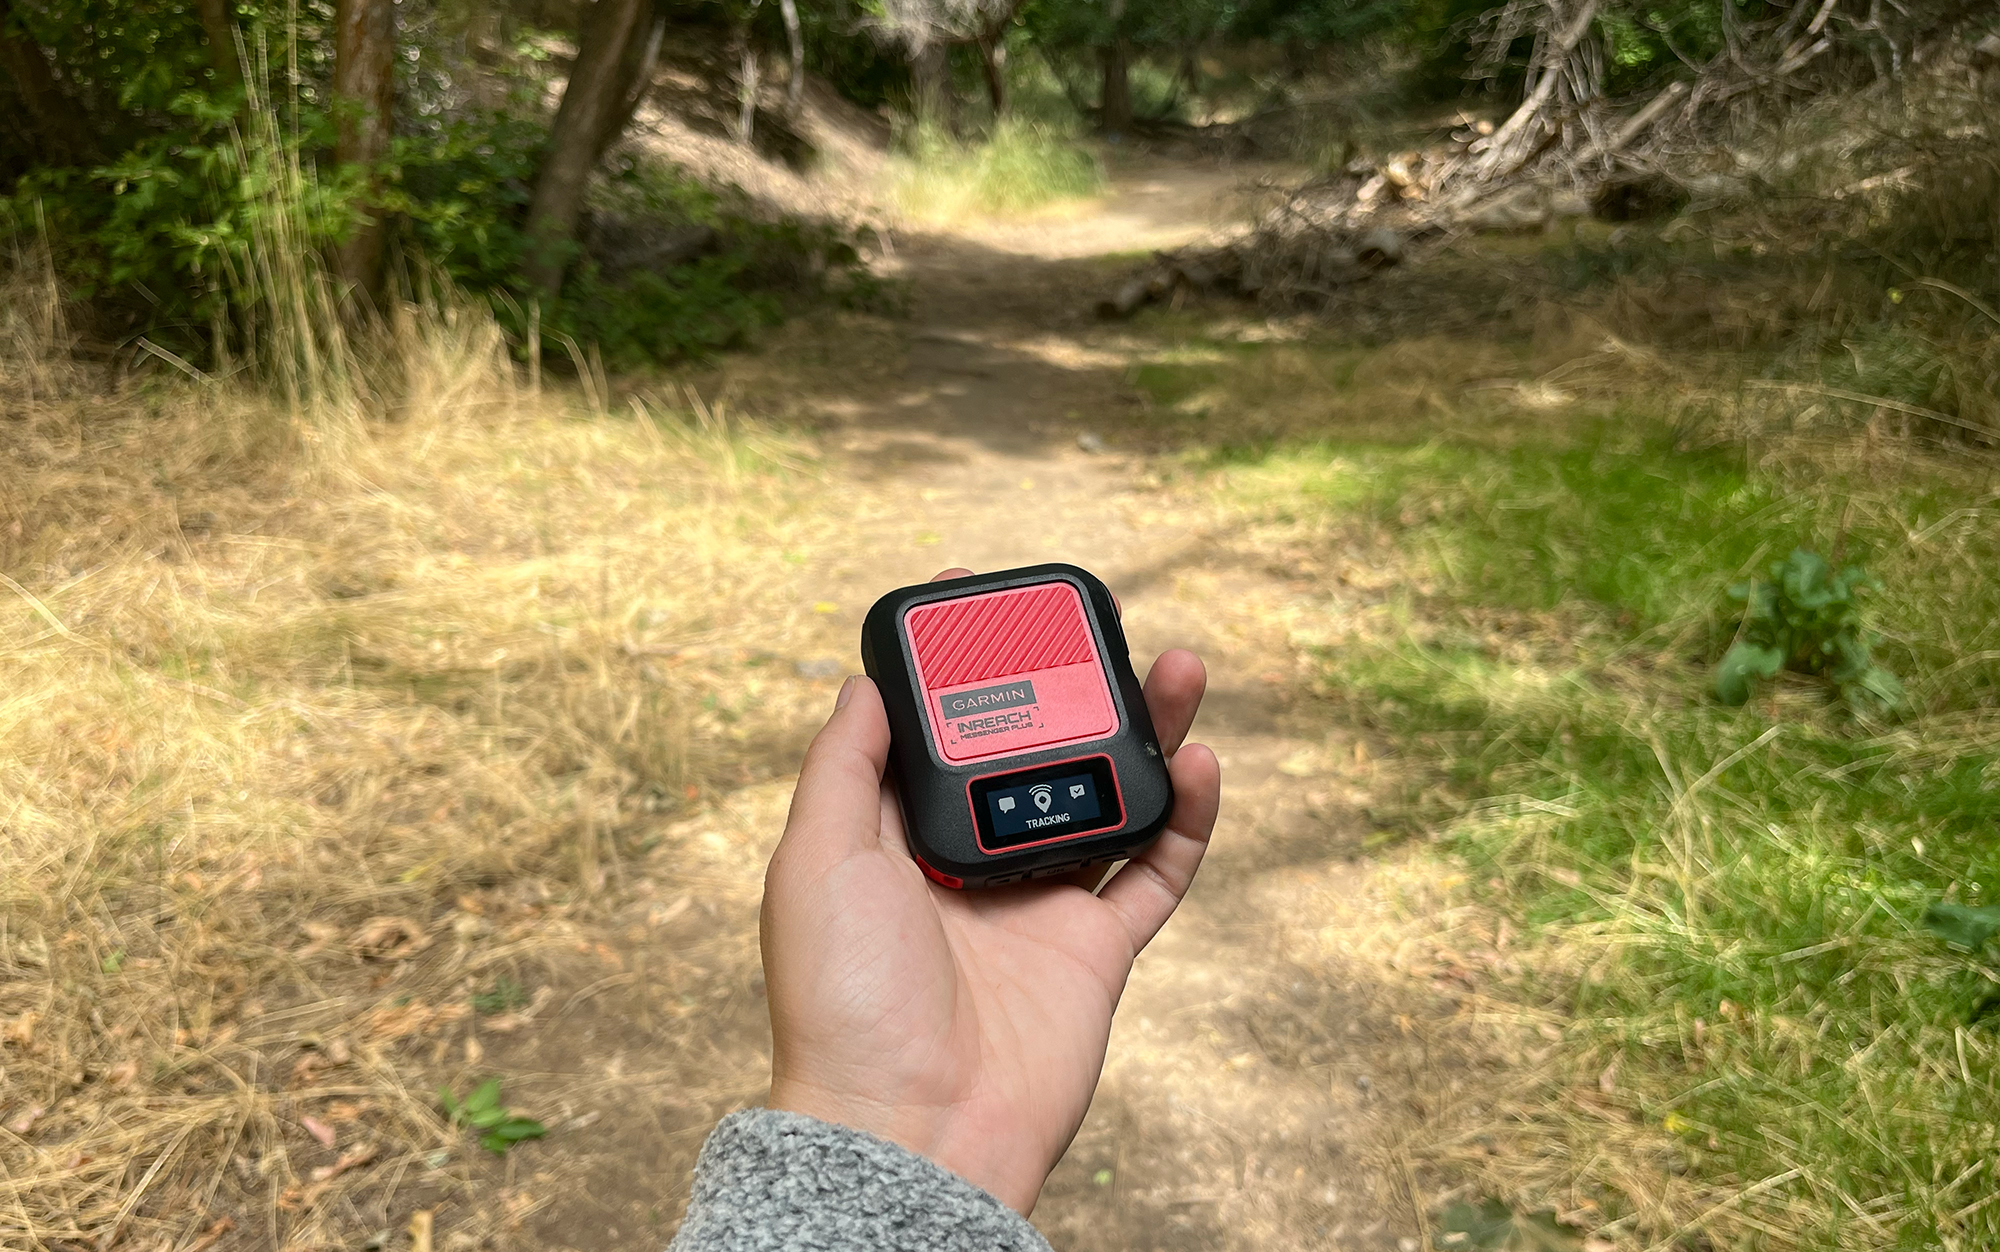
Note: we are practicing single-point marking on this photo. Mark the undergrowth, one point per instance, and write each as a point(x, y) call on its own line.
point(172, 240)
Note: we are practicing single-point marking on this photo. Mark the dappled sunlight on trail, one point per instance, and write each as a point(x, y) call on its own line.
point(986, 432)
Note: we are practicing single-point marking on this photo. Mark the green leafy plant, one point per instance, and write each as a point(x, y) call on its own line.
point(503, 996)
point(1975, 928)
point(500, 1128)
point(1806, 618)
point(1962, 924)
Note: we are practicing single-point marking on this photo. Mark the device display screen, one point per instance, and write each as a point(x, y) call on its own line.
point(1051, 802)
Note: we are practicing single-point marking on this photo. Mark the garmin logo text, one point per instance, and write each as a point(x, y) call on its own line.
point(987, 699)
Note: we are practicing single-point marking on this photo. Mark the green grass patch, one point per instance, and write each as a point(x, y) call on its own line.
point(1019, 166)
point(1732, 902)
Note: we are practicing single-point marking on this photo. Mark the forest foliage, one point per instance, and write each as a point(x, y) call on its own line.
point(139, 141)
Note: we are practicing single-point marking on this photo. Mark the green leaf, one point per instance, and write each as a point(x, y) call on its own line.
point(1491, 1226)
point(1744, 662)
point(1763, 603)
point(1964, 925)
point(511, 1132)
point(515, 1129)
point(1877, 686)
point(1804, 575)
point(484, 1097)
point(483, 1111)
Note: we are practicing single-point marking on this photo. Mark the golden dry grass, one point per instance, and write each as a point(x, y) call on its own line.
point(276, 727)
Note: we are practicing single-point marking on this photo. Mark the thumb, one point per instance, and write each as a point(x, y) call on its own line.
point(837, 807)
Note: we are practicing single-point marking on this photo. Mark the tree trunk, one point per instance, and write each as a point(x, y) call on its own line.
point(746, 93)
point(930, 71)
point(635, 79)
point(218, 22)
point(795, 86)
point(582, 129)
point(993, 61)
point(1114, 100)
point(62, 130)
point(364, 94)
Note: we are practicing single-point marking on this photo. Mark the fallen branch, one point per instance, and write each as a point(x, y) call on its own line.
point(1289, 260)
point(1649, 113)
point(1498, 159)
point(1564, 151)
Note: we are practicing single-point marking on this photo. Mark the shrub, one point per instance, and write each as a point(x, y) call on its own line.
point(164, 241)
point(1807, 618)
point(161, 239)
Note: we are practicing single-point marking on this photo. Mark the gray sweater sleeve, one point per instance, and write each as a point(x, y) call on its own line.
point(769, 1180)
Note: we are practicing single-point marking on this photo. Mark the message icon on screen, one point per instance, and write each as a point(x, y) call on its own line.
point(1006, 804)
point(1076, 791)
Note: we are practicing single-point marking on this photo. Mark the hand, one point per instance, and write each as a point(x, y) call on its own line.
point(966, 1026)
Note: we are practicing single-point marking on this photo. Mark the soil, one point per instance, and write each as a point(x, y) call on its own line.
point(1250, 1100)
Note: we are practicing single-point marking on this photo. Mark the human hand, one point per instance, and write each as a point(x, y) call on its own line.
point(967, 1026)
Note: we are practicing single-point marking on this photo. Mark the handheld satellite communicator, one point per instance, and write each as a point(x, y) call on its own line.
point(1019, 737)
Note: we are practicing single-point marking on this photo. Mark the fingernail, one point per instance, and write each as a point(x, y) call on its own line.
point(846, 692)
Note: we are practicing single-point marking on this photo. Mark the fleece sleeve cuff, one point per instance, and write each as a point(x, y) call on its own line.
point(768, 1180)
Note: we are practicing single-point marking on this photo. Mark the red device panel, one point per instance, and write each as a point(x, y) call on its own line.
point(1008, 671)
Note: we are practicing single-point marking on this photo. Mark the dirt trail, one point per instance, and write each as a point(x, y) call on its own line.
point(1236, 1106)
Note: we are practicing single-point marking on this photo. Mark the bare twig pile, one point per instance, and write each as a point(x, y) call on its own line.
point(1566, 150)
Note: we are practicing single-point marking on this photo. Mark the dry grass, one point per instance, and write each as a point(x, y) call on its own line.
point(300, 750)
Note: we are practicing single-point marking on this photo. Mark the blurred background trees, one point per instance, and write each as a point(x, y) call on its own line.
point(468, 137)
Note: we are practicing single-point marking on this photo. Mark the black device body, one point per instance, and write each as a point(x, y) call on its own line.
point(1021, 746)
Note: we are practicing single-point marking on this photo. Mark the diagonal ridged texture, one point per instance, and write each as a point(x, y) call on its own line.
point(999, 635)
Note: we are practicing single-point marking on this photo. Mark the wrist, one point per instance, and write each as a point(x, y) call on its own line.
point(917, 1129)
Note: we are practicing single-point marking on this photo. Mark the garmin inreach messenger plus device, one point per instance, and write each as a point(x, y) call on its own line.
point(1020, 742)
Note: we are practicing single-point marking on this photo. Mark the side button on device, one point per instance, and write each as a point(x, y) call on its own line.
point(942, 879)
point(1114, 634)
